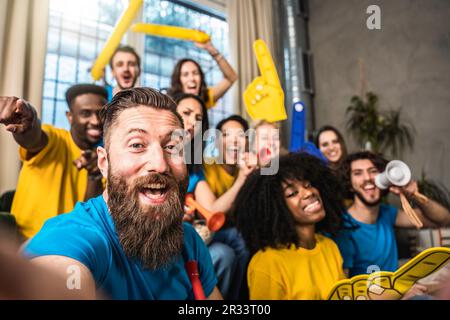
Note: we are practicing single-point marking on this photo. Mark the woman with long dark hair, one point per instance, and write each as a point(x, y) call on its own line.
point(188, 77)
point(331, 143)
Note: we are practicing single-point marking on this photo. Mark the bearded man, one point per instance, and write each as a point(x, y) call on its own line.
point(130, 242)
point(370, 244)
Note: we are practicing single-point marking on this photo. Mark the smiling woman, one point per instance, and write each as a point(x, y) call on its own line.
point(283, 219)
point(331, 143)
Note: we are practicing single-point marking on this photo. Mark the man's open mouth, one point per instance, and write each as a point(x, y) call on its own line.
point(369, 187)
point(127, 78)
point(154, 193)
point(94, 133)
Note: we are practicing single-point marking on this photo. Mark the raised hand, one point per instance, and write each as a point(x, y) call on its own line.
point(409, 190)
point(247, 163)
point(264, 97)
point(16, 114)
point(205, 46)
point(88, 161)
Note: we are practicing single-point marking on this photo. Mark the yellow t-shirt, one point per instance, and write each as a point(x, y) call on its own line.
point(295, 273)
point(218, 179)
point(49, 184)
point(210, 103)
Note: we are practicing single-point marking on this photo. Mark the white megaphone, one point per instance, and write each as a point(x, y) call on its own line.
point(397, 173)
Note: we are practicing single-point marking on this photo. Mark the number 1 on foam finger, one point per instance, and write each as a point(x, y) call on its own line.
point(265, 63)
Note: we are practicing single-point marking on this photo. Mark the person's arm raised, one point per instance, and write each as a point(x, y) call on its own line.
point(206, 198)
point(431, 213)
point(20, 118)
point(229, 74)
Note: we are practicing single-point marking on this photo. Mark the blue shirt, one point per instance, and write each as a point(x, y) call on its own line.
point(109, 89)
point(370, 244)
point(194, 178)
point(87, 234)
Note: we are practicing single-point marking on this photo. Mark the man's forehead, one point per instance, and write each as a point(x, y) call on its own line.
point(362, 164)
point(89, 100)
point(148, 119)
point(121, 56)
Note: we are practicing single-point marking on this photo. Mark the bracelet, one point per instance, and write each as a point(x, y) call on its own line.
point(215, 54)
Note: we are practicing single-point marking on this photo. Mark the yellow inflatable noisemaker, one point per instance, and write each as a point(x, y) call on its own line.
point(391, 285)
point(171, 32)
point(264, 97)
point(113, 41)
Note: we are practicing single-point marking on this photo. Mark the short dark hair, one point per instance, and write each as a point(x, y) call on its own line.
point(236, 118)
point(261, 212)
point(131, 98)
point(127, 49)
point(345, 171)
point(84, 88)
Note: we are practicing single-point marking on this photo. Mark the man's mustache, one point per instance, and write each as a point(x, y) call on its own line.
point(155, 178)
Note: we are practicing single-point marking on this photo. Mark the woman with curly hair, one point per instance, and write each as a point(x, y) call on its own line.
point(282, 218)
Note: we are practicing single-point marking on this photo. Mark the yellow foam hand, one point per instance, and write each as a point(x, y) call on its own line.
point(114, 39)
point(356, 289)
point(379, 286)
point(424, 264)
point(391, 285)
point(264, 97)
point(171, 32)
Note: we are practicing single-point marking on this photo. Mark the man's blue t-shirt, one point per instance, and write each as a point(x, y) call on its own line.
point(87, 234)
point(370, 244)
point(194, 178)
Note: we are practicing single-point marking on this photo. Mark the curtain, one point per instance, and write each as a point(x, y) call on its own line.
point(248, 21)
point(23, 44)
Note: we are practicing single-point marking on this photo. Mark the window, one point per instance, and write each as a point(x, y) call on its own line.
point(161, 54)
point(77, 32)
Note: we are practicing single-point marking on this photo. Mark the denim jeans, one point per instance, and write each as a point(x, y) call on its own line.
point(224, 261)
point(233, 239)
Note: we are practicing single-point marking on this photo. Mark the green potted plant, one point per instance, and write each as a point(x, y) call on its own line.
point(375, 130)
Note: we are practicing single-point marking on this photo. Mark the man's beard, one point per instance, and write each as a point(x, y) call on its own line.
point(151, 234)
point(367, 203)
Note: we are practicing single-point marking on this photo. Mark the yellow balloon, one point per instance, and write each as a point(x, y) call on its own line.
point(114, 39)
point(171, 32)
